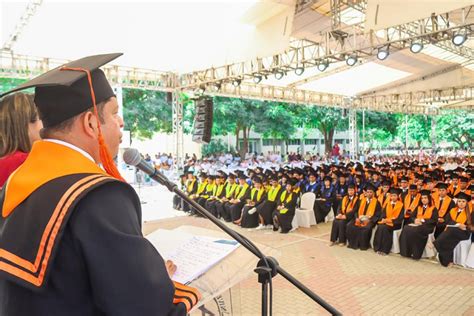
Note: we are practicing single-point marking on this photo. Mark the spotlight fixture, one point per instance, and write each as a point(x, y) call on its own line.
point(323, 65)
point(416, 46)
point(257, 78)
point(459, 37)
point(236, 82)
point(299, 70)
point(279, 74)
point(351, 60)
point(383, 53)
point(201, 89)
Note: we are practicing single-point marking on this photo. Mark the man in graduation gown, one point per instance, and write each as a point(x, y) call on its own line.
point(324, 200)
point(391, 219)
point(420, 224)
point(285, 212)
point(359, 230)
point(234, 207)
point(345, 214)
point(177, 201)
point(444, 204)
point(70, 232)
point(249, 217)
point(411, 201)
point(218, 192)
point(230, 191)
point(191, 189)
point(265, 210)
point(459, 219)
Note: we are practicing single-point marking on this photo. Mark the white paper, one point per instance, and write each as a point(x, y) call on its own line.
point(193, 255)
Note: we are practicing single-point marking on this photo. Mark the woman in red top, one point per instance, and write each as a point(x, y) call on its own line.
point(19, 128)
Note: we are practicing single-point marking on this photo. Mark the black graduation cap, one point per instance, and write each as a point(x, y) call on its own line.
point(471, 187)
point(413, 187)
point(463, 196)
point(292, 182)
point(463, 179)
point(327, 178)
point(395, 191)
point(404, 179)
point(425, 192)
point(386, 182)
point(351, 186)
point(370, 186)
point(257, 180)
point(64, 92)
point(441, 185)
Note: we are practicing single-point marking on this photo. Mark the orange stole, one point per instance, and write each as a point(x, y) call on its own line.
point(410, 204)
point(346, 206)
point(370, 210)
point(383, 199)
point(424, 215)
point(443, 208)
point(460, 218)
point(392, 212)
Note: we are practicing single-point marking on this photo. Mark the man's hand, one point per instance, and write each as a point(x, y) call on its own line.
point(170, 267)
point(441, 220)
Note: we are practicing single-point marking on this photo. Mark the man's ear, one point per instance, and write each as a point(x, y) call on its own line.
point(89, 124)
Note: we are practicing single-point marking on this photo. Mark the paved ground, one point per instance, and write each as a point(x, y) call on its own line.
point(355, 282)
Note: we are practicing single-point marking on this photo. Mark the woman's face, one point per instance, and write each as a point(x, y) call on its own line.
point(424, 199)
point(34, 130)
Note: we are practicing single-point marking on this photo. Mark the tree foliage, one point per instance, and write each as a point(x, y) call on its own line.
point(457, 127)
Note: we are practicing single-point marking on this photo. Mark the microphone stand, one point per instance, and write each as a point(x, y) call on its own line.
point(267, 267)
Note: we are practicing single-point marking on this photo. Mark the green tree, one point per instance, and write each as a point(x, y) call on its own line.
point(457, 127)
point(380, 128)
point(7, 84)
point(419, 129)
point(146, 112)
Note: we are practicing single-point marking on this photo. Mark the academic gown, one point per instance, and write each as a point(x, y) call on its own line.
point(359, 236)
point(443, 212)
point(265, 210)
point(341, 191)
point(211, 203)
point(285, 219)
point(191, 189)
point(177, 200)
point(322, 205)
point(413, 238)
point(235, 210)
point(103, 265)
point(251, 220)
point(383, 239)
point(449, 239)
point(339, 226)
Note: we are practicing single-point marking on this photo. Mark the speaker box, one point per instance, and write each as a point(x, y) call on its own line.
point(202, 129)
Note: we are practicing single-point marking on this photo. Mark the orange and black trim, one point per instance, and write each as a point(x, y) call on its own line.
point(187, 295)
point(29, 265)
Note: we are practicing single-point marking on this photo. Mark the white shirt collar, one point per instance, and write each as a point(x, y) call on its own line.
point(79, 150)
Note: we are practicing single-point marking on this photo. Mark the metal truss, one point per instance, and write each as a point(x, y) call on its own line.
point(337, 44)
point(30, 11)
point(27, 67)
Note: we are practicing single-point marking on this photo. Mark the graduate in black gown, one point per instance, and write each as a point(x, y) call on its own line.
point(218, 192)
point(229, 193)
point(444, 203)
point(191, 189)
point(285, 212)
point(420, 224)
point(201, 188)
point(234, 207)
point(459, 219)
point(177, 201)
point(324, 200)
point(265, 210)
point(345, 214)
point(359, 230)
point(391, 219)
point(341, 190)
point(249, 217)
point(204, 196)
point(311, 185)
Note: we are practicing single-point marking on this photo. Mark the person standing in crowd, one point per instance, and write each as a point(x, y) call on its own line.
point(391, 220)
point(459, 222)
point(421, 223)
point(345, 214)
point(359, 230)
point(96, 260)
point(285, 211)
point(19, 129)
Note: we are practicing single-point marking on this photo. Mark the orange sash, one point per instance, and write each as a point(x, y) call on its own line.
point(348, 206)
point(392, 212)
point(426, 214)
point(443, 208)
point(460, 218)
point(370, 210)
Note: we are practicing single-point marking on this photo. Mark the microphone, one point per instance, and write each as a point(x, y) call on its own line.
point(132, 157)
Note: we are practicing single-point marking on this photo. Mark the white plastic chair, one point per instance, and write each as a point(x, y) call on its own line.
point(462, 251)
point(470, 257)
point(396, 241)
point(330, 217)
point(304, 216)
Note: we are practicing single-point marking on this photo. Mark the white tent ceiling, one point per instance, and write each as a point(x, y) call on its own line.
point(183, 36)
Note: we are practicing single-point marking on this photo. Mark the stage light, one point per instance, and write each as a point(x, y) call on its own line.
point(416, 47)
point(279, 74)
point(257, 78)
point(460, 37)
point(299, 70)
point(236, 82)
point(383, 53)
point(351, 60)
point(323, 65)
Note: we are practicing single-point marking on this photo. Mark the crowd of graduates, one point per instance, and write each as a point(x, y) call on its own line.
point(373, 198)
